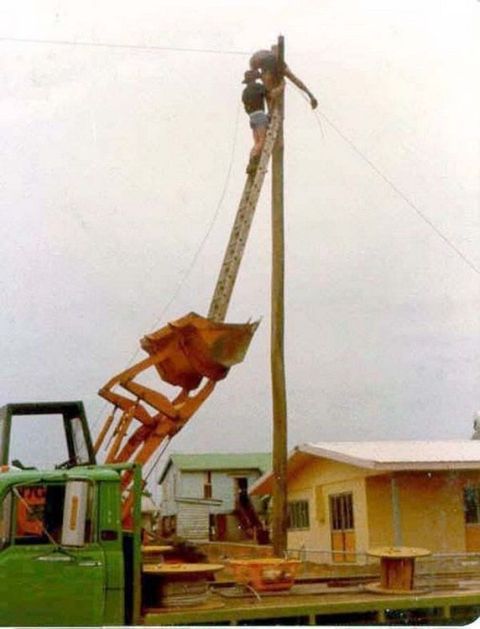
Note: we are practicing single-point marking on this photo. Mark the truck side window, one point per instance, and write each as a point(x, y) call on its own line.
point(38, 514)
point(82, 455)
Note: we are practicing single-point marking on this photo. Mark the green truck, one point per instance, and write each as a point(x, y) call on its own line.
point(65, 558)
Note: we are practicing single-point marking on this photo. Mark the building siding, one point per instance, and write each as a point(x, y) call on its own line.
point(193, 521)
point(190, 485)
point(316, 482)
point(379, 510)
point(223, 486)
point(440, 524)
point(431, 508)
point(171, 485)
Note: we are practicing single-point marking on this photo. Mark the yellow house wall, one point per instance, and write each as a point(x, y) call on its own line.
point(315, 482)
point(379, 511)
point(431, 509)
point(439, 523)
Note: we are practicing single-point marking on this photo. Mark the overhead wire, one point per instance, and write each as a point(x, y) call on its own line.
point(316, 113)
point(65, 42)
point(375, 168)
point(394, 187)
point(158, 457)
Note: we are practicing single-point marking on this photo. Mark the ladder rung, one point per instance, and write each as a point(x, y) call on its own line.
point(241, 227)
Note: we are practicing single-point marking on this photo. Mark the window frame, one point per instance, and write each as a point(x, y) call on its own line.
point(298, 515)
point(342, 513)
point(91, 528)
point(474, 490)
point(207, 485)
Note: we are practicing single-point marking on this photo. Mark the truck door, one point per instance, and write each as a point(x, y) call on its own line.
point(52, 567)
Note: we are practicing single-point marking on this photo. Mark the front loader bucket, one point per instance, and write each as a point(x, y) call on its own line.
point(195, 347)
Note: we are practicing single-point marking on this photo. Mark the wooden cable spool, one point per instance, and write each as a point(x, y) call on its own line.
point(178, 585)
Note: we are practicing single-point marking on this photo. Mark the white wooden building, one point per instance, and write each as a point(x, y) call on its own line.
point(205, 496)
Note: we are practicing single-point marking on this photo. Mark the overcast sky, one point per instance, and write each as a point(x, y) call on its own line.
point(117, 162)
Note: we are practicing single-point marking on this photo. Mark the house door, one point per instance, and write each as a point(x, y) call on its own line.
point(342, 527)
point(241, 492)
point(471, 506)
point(219, 521)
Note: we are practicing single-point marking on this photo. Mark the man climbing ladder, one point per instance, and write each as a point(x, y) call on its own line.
point(241, 227)
point(261, 153)
point(273, 73)
point(254, 98)
point(265, 65)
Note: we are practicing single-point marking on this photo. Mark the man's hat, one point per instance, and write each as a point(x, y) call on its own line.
point(250, 75)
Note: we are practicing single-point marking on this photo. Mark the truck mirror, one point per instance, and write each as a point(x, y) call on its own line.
point(75, 513)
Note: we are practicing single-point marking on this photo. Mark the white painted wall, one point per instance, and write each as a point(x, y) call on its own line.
point(177, 484)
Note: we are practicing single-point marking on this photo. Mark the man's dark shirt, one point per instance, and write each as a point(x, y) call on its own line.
point(253, 97)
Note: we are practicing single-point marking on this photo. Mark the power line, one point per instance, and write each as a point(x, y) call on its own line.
point(397, 190)
point(390, 183)
point(59, 42)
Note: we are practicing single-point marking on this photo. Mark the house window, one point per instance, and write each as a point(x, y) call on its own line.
point(298, 516)
point(341, 512)
point(471, 504)
point(207, 485)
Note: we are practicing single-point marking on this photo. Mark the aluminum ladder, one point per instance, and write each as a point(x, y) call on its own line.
point(241, 227)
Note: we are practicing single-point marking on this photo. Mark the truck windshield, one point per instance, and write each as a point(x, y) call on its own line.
point(44, 435)
point(38, 441)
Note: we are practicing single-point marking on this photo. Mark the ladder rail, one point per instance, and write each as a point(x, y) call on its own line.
point(241, 227)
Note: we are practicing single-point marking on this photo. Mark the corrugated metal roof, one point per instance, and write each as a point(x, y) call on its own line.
point(388, 456)
point(216, 461)
point(220, 461)
point(398, 454)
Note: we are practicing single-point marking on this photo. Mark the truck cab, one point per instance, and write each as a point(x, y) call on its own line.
point(65, 558)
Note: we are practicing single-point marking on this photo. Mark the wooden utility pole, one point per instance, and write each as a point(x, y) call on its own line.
point(279, 396)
